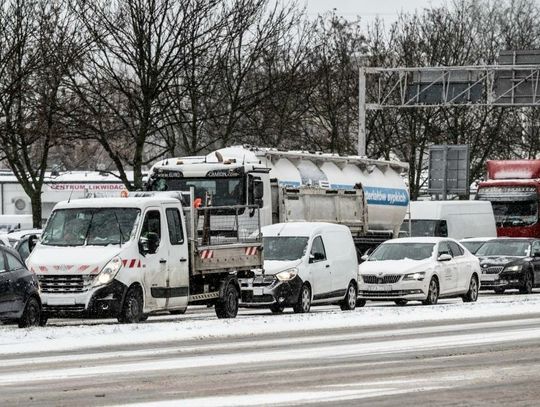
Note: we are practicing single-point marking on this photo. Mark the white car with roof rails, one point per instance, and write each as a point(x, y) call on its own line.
point(419, 269)
point(305, 263)
point(472, 244)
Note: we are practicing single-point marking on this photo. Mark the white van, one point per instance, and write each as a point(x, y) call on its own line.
point(454, 219)
point(305, 263)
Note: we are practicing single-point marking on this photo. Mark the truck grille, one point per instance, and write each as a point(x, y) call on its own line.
point(64, 283)
point(387, 279)
point(493, 270)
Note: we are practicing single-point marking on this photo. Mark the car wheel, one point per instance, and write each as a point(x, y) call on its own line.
point(360, 302)
point(303, 305)
point(527, 284)
point(227, 307)
point(433, 292)
point(349, 302)
point(31, 315)
point(132, 309)
point(277, 308)
point(472, 294)
point(44, 319)
point(499, 290)
point(401, 303)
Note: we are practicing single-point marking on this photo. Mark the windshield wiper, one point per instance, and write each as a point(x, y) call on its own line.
point(119, 227)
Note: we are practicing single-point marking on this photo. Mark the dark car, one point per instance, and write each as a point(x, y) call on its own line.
point(19, 291)
point(510, 263)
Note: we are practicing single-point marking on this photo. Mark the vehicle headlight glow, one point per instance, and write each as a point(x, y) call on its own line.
point(513, 268)
point(108, 273)
point(419, 276)
point(287, 275)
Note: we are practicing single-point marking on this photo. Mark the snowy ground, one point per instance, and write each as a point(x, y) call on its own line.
point(203, 324)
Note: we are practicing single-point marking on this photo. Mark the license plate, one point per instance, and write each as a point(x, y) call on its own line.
point(489, 277)
point(61, 301)
point(258, 290)
point(379, 288)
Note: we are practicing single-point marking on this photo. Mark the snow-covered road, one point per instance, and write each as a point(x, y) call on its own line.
point(392, 355)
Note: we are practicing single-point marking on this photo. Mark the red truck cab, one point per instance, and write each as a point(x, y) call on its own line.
point(513, 188)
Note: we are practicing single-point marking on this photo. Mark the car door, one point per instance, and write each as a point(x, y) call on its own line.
point(463, 266)
point(321, 274)
point(17, 271)
point(177, 262)
point(155, 264)
point(6, 287)
point(535, 254)
point(449, 279)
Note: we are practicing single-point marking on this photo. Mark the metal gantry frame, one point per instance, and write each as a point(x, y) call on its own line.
point(392, 88)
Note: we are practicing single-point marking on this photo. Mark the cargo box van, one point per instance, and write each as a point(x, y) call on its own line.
point(454, 219)
point(305, 263)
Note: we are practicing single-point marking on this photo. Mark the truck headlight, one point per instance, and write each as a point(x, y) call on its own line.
point(513, 269)
point(287, 275)
point(108, 273)
point(414, 276)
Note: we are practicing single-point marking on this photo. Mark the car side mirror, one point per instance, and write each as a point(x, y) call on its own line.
point(444, 257)
point(153, 242)
point(258, 192)
point(364, 257)
point(316, 257)
point(536, 254)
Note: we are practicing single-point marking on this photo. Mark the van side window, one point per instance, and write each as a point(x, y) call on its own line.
point(456, 249)
point(441, 229)
point(176, 234)
point(151, 224)
point(317, 249)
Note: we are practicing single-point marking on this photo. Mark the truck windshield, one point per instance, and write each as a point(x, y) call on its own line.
point(90, 226)
point(425, 227)
point(284, 248)
point(223, 191)
point(517, 213)
point(504, 248)
point(401, 251)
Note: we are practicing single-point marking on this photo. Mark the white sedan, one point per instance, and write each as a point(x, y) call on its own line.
point(419, 269)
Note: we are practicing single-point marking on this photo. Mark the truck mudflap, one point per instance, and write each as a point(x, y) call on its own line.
point(230, 257)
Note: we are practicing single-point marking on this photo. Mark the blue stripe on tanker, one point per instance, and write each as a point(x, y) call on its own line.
point(374, 195)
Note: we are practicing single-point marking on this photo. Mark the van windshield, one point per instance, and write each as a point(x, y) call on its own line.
point(284, 247)
point(90, 226)
point(401, 251)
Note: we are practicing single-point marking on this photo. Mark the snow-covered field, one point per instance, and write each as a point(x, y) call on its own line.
point(74, 336)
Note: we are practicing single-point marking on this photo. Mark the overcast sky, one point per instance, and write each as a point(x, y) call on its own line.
point(368, 9)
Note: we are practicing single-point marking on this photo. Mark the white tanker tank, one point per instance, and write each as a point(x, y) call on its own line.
point(382, 181)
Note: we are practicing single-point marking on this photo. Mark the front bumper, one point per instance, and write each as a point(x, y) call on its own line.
point(263, 292)
point(503, 280)
point(99, 302)
point(414, 290)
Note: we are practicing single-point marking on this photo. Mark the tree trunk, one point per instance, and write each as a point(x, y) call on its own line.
point(35, 200)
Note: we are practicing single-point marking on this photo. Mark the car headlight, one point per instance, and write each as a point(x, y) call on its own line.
point(513, 269)
point(287, 275)
point(108, 273)
point(419, 276)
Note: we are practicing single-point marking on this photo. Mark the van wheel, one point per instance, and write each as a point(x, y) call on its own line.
point(227, 307)
point(401, 303)
point(132, 309)
point(433, 293)
point(303, 304)
point(527, 284)
point(31, 315)
point(277, 308)
point(472, 294)
point(349, 303)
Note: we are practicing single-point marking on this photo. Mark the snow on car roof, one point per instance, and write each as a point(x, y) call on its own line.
point(417, 240)
point(477, 239)
point(299, 228)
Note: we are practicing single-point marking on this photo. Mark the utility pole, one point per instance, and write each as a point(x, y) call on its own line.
point(362, 111)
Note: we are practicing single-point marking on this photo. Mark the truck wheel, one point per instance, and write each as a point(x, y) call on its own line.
point(132, 309)
point(227, 307)
point(433, 293)
point(303, 304)
point(31, 315)
point(401, 303)
point(527, 284)
point(349, 303)
point(499, 290)
point(472, 294)
point(277, 308)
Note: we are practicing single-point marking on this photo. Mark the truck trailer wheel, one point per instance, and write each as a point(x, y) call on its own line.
point(132, 309)
point(227, 306)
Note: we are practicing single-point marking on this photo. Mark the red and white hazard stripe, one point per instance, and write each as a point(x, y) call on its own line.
point(251, 251)
point(206, 254)
point(131, 263)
